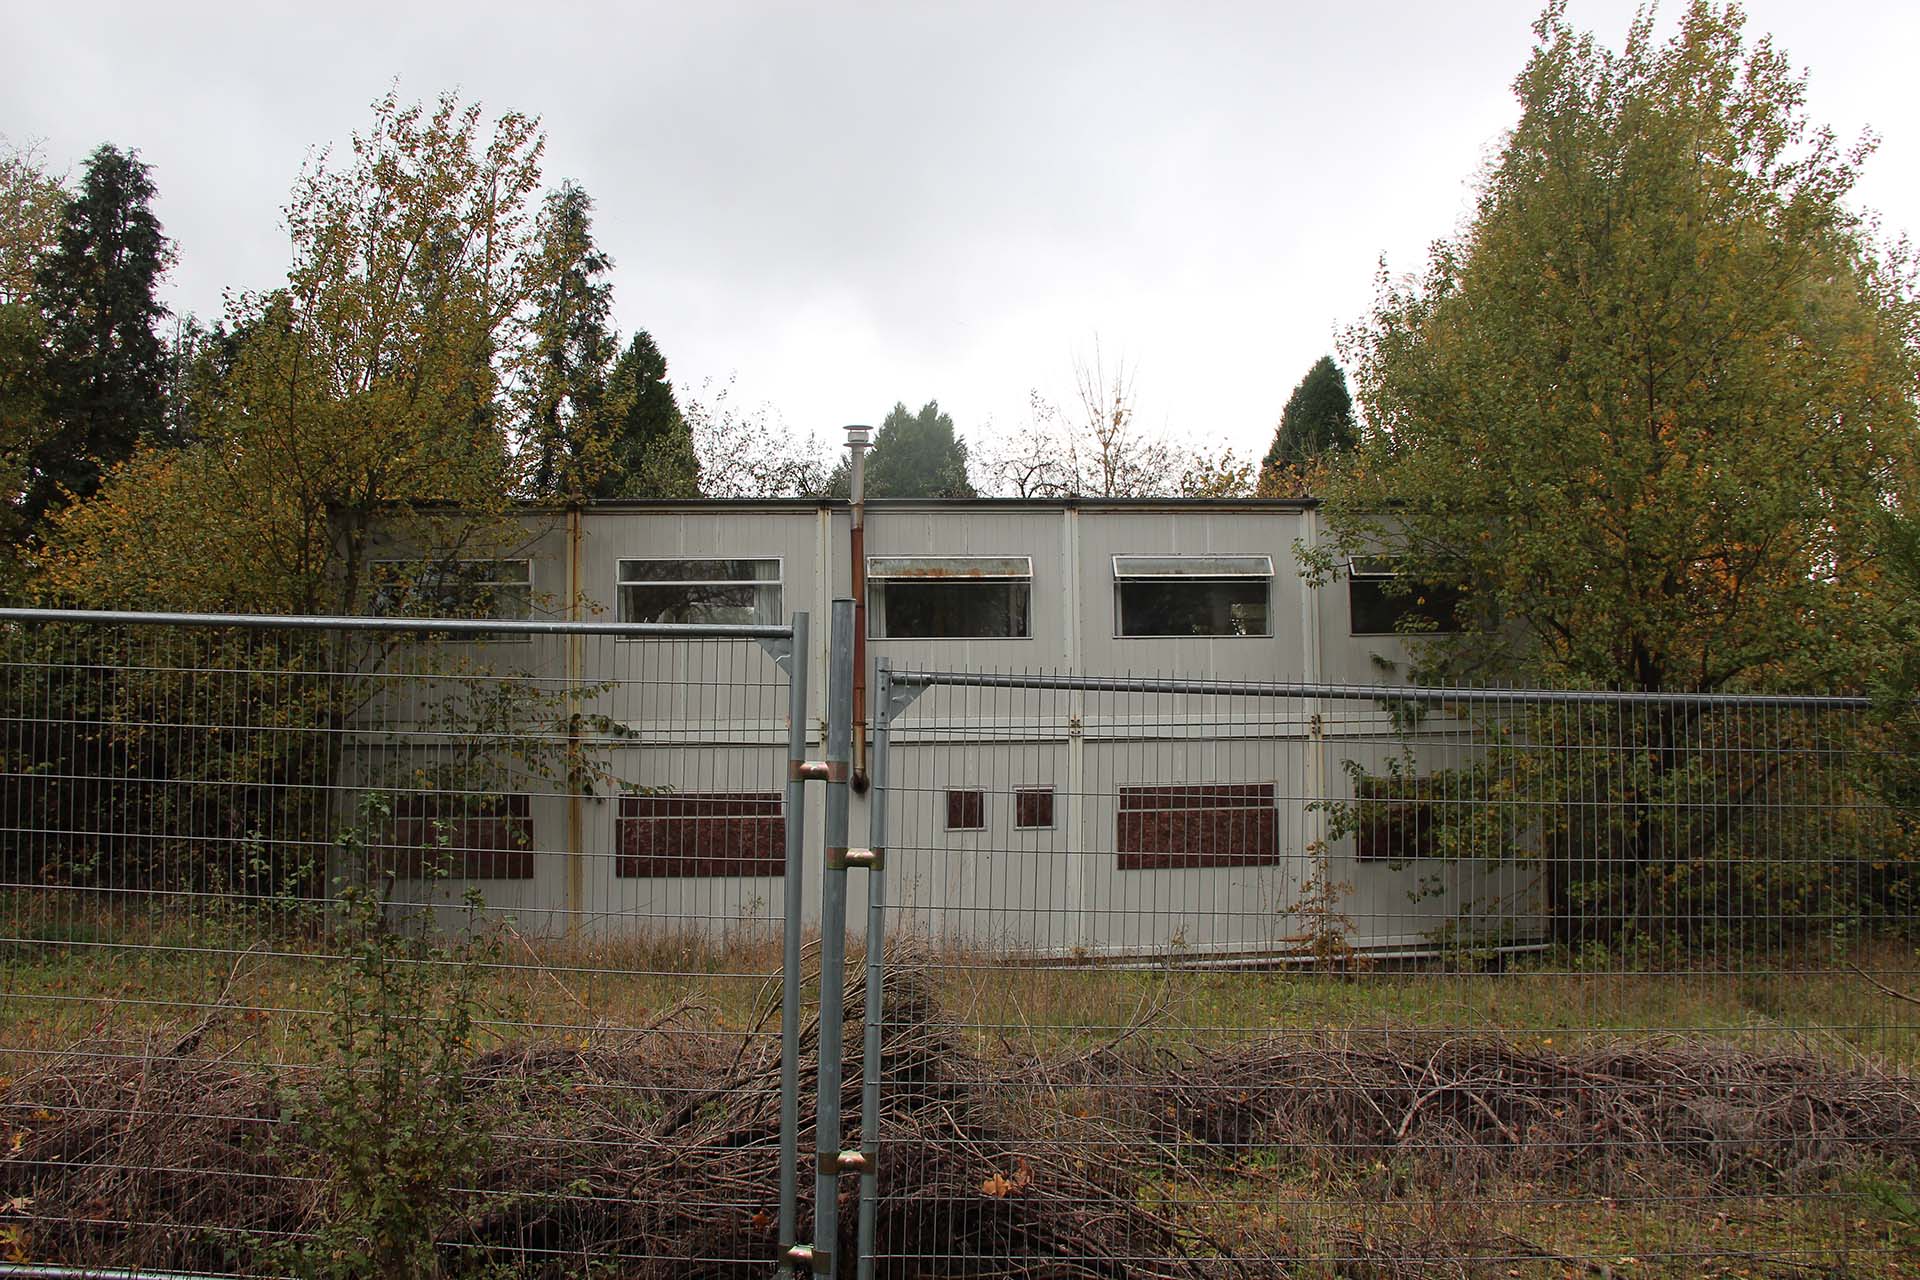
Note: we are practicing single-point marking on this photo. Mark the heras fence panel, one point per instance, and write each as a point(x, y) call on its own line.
point(1196, 979)
point(349, 946)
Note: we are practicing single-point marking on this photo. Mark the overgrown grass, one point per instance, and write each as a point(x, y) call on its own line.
point(140, 977)
point(122, 973)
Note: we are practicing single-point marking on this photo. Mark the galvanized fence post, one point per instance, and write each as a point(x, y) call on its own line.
point(792, 890)
point(833, 939)
point(870, 1073)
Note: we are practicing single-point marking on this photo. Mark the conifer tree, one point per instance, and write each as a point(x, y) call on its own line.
point(572, 347)
point(915, 455)
point(1318, 419)
point(649, 444)
point(106, 368)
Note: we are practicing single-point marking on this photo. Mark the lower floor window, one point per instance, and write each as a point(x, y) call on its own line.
point(1207, 825)
point(1033, 807)
point(701, 833)
point(966, 810)
point(461, 835)
point(1393, 818)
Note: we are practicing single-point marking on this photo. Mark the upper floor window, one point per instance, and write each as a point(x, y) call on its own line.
point(1199, 595)
point(452, 588)
point(949, 597)
point(724, 591)
point(1381, 605)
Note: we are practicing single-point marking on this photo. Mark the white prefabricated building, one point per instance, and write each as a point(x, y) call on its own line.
point(1114, 823)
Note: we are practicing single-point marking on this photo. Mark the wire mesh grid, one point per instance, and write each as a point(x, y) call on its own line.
point(1191, 980)
point(357, 951)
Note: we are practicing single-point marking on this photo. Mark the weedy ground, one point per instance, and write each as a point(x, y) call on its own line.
point(1538, 1115)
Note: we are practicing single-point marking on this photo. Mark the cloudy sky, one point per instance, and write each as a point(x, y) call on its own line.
point(845, 205)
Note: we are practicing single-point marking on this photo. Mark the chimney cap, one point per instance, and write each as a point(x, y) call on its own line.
point(857, 435)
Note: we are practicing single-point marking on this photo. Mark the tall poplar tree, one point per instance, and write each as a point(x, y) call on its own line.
point(106, 368)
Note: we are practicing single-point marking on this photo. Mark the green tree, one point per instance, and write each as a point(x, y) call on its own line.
point(32, 205)
point(106, 368)
point(1318, 418)
point(1645, 414)
point(357, 405)
point(1646, 409)
point(649, 442)
point(915, 455)
point(572, 345)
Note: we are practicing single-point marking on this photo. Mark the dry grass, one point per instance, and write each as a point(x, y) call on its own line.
point(124, 973)
point(1043, 1123)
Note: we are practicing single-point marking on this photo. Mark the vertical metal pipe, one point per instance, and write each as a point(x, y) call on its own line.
point(833, 937)
point(857, 549)
point(870, 1065)
point(576, 819)
point(793, 888)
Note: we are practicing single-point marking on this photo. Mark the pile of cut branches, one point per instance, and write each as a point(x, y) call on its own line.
point(653, 1151)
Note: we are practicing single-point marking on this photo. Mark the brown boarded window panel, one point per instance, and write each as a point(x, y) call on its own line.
point(1393, 819)
point(1204, 825)
point(1033, 807)
point(702, 833)
point(462, 836)
point(966, 810)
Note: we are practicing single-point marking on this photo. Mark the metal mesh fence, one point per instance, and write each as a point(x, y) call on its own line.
point(366, 950)
point(1195, 980)
point(373, 949)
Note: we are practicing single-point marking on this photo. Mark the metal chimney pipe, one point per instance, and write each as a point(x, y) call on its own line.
point(857, 443)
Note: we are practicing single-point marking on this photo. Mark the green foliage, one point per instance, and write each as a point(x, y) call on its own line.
point(389, 1124)
point(23, 426)
point(914, 455)
point(1644, 410)
point(1318, 418)
point(365, 392)
point(32, 205)
point(1661, 829)
point(106, 370)
point(572, 345)
point(650, 444)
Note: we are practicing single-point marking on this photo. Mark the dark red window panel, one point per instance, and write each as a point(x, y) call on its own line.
point(1208, 825)
point(1393, 819)
point(966, 810)
point(465, 837)
point(702, 833)
point(1033, 807)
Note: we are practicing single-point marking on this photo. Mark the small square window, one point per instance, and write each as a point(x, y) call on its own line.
point(1033, 807)
point(966, 810)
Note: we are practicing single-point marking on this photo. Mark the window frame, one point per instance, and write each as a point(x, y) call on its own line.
point(715, 823)
point(951, 794)
point(1120, 579)
point(877, 577)
point(1403, 819)
point(410, 836)
point(620, 582)
point(1378, 570)
point(1036, 793)
point(431, 566)
point(1249, 810)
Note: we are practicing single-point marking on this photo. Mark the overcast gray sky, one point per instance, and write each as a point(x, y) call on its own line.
point(850, 204)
